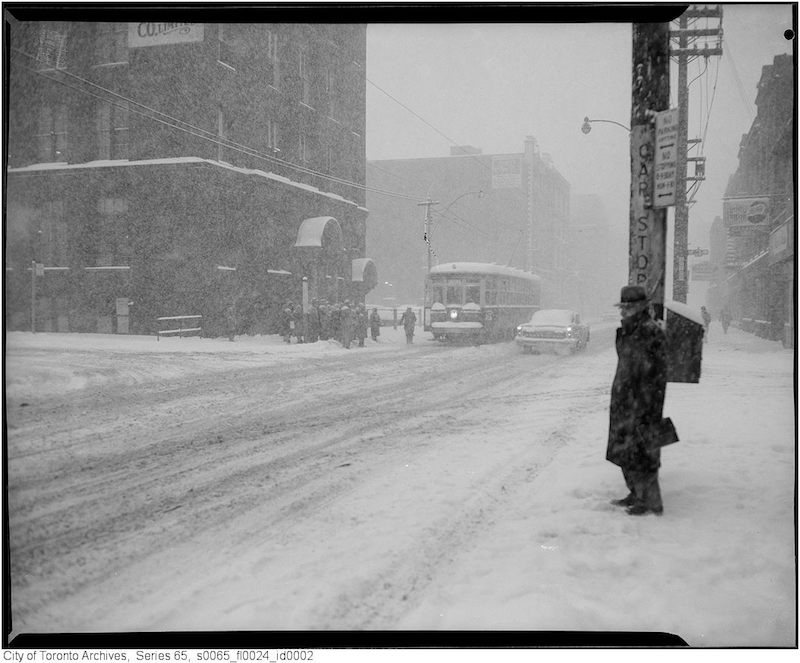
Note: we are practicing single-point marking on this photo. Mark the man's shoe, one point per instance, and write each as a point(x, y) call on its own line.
point(625, 501)
point(640, 510)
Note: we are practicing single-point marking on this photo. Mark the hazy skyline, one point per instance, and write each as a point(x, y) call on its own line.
point(489, 85)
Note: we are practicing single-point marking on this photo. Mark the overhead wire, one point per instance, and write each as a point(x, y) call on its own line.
point(199, 132)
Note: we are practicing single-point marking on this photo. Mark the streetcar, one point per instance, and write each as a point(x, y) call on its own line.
point(478, 302)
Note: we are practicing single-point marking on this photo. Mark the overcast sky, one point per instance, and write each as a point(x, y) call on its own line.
point(490, 85)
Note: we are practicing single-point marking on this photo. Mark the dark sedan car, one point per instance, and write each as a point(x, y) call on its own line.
point(558, 330)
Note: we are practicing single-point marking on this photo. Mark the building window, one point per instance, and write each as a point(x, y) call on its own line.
point(272, 59)
point(305, 80)
point(113, 130)
point(52, 134)
point(111, 45)
point(52, 235)
point(303, 149)
point(272, 135)
point(222, 131)
point(51, 51)
point(225, 46)
point(114, 245)
point(331, 92)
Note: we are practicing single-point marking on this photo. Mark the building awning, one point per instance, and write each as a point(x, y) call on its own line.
point(364, 271)
point(311, 232)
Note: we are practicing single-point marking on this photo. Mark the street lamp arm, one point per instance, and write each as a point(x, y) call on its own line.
point(479, 193)
point(586, 128)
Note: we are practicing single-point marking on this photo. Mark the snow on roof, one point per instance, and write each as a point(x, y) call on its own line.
point(552, 316)
point(112, 163)
point(482, 268)
point(685, 310)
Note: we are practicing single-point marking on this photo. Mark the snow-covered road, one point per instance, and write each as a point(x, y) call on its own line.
point(194, 484)
point(231, 487)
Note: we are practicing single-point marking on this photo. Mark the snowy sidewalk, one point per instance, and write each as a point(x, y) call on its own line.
point(717, 569)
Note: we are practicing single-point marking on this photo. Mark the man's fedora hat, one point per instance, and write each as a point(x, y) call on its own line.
point(631, 294)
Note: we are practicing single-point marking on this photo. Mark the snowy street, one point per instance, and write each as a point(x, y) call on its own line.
point(198, 484)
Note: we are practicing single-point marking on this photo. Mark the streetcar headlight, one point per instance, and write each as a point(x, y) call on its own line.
point(453, 314)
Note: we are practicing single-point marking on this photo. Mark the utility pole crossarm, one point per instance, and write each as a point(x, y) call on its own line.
point(696, 52)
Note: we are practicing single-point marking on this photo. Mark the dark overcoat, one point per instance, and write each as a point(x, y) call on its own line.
point(637, 394)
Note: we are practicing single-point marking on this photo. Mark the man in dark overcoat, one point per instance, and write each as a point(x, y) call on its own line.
point(409, 322)
point(637, 402)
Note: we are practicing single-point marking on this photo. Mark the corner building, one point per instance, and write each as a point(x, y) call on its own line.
point(165, 169)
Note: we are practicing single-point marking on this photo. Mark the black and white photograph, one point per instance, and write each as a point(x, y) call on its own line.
point(399, 325)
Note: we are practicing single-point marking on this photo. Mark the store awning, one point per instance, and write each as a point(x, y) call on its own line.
point(312, 231)
point(364, 271)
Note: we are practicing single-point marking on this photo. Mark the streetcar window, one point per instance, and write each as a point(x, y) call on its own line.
point(473, 294)
point(438, 293)
point(454, 294)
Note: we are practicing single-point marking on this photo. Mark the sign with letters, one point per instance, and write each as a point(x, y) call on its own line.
point(159, 34)
point(506, 172)
point(666, 158)
point(745, 212)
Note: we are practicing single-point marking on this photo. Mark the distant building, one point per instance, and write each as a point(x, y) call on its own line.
point(160, 169)
point(594, 276)
point(510, 209)
point(757, 285)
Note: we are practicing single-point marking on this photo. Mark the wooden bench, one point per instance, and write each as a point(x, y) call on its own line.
point(187, 324)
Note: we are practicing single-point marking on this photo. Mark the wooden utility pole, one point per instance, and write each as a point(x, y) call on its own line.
point(427, 235)
point(648, 225)
point(684, 35)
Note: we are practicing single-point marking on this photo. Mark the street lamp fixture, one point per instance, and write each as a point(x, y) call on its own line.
point(586, 127)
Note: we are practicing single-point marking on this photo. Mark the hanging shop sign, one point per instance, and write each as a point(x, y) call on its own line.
point(781, 242)
point(159, 34)
point(704, 271)
point(745, 212)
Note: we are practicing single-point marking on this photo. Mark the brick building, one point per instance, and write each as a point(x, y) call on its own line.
point(510, 209)
point(160, 169)
point(757, 269)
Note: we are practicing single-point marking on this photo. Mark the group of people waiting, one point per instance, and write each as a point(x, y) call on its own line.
point(346, 322)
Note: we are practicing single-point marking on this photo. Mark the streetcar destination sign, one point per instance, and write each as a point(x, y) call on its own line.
point(666, 158)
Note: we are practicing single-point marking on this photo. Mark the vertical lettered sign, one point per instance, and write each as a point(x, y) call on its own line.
point(647, 232)
point(648, 222)
point(666, 158)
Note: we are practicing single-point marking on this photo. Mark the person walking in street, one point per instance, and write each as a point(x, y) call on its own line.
point(706, 322)
point(375, 324)
point(725, 319)
point(287, 322)
point(409, 322)
point(637, 402)
point(346, 322)
point(360, 325)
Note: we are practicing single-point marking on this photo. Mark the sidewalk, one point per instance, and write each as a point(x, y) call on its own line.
point(717, 569)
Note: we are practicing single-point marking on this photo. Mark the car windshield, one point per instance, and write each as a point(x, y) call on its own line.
point(552, 317)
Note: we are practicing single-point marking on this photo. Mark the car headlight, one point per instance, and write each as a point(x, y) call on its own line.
point(519, 329)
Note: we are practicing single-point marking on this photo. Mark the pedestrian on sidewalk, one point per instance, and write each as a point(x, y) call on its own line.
point(706, 322)
point(637, 402)
point(375, 324)
point(725, 319)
